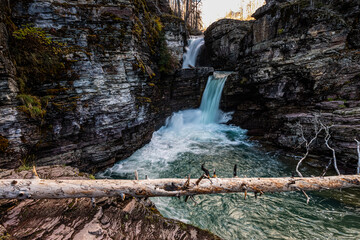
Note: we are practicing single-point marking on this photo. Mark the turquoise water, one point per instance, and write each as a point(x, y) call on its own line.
point(197, 136)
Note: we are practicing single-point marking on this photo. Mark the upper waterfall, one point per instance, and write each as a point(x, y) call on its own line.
point(192, 52)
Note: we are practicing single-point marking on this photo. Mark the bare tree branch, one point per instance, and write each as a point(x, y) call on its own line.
point(319, 127)
point(327, 137)
point(307, 197)
point(307, 144)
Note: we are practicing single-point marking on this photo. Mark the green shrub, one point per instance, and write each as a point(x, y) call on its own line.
point(38, 58)
point(34, 106)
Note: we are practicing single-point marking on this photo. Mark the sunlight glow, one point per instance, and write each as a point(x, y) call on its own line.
point(213, 10)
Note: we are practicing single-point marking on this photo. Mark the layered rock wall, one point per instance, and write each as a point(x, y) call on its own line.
point(300, 59)
point(119, 97)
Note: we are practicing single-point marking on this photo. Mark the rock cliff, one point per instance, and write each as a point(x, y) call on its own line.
point(299, 59)
point(113, 89)
point(222, 43)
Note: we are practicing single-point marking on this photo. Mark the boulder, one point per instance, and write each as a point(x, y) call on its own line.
point(222, 43)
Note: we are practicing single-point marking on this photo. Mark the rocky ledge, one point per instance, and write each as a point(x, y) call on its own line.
point(110, 218)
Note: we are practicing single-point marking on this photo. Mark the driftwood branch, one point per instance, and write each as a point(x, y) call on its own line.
point(43, 188)
point(307, 144)
point(318, 128)
point(327, 138)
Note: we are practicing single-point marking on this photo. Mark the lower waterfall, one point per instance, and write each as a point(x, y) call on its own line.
point(196, 136)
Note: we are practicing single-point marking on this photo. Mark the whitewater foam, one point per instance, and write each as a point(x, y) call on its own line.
point(192, 131)
point(192, 52)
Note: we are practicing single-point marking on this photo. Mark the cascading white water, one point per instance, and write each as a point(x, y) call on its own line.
point(192, 52)
point(209, 111)
point(182, 131)
point(211, 98)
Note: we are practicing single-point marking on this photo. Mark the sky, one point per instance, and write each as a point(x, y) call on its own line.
point(215, 9)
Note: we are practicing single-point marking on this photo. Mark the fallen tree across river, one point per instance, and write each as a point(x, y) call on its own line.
point(37, 188)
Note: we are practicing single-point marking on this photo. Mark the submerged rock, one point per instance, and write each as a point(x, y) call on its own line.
point(111, 218)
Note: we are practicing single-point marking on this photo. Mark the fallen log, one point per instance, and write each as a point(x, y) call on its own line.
point(43, 188)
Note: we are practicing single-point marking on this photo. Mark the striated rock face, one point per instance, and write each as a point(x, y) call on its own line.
point(8, 85)
point(188, 86)
point(111, 218)
point(119, 96)
point(222, 43)
point(175, 35)
point(300, 59)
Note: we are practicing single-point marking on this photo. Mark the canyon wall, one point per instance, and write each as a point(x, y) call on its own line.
point(300, 59)
point(122, 56)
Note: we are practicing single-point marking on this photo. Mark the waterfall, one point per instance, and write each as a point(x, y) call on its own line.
point(187, 131)
point(211, 98)
point(192, 52)
point(208, 112)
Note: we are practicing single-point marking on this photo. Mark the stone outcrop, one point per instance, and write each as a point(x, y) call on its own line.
point(300, 59)
point(222, 43)
point(110, 218)
point(8, 85)
point(119, 96)
point(187, 87)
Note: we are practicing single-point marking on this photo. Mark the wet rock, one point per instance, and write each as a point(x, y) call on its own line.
point(111, 218)
point(175, 35)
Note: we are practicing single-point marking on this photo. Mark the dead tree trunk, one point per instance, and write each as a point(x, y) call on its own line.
point(186, 12)
point(42, 188)
point(178, 7)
